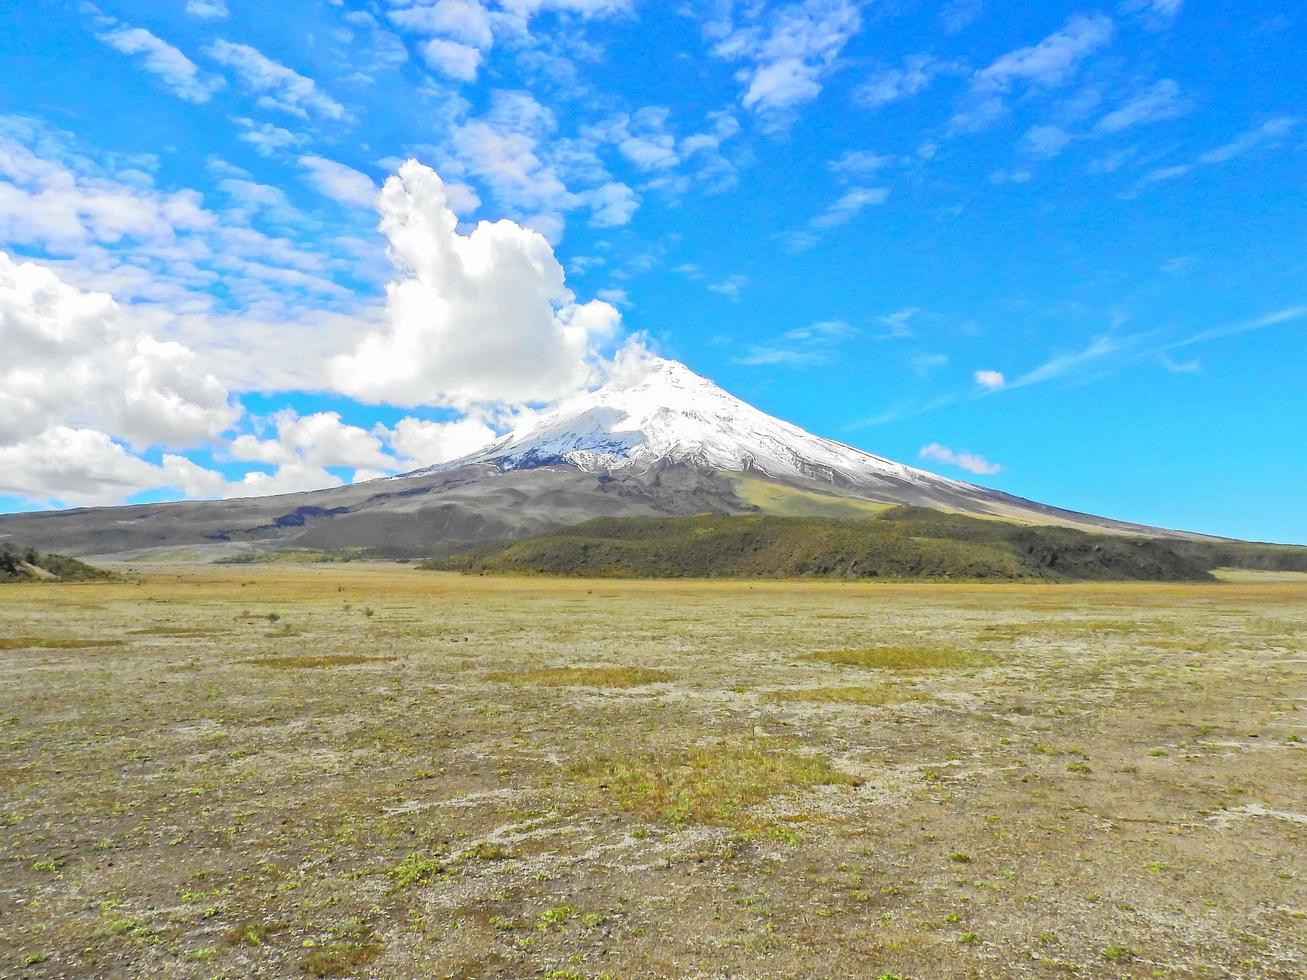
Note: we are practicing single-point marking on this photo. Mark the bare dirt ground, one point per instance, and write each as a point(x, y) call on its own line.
point(375, 771)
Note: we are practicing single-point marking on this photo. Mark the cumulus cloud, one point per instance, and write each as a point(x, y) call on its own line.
point(339, 182)
point(315, 441)
point(461, 20)
point(78, 382)
point(971, 462)
point(452, 59)
point(476, 319)
point(423, 443)
point(85, 467)
point(178, 74)
point(72, 357)
point(614, 204)
point(989, 379)
point(277, 86)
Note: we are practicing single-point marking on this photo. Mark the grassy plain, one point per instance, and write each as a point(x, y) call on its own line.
point(359, 770)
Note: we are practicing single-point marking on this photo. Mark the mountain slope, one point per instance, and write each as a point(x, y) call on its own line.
point(665, 413)
point(902, 543)
point(656, 441)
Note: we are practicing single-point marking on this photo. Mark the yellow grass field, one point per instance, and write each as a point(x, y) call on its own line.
point(373, 771)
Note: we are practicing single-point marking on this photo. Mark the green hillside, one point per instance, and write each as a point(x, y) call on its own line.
point(29, 565)
point(901, 543)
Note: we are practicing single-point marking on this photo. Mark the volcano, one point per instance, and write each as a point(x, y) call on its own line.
point(656, 440)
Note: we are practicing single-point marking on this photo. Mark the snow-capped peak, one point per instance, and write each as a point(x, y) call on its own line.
point(659, 410)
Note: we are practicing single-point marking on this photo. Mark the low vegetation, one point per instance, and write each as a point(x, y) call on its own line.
point(712, 784)
point(860, 695)
point(582, 676)
point(29, 565)
point(899, 543)
point(903, 658)
point(990, 780)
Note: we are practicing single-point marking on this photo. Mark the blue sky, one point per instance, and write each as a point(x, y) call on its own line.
point(1055, 248)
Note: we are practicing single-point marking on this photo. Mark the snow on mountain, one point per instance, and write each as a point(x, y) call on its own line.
point(664, 412)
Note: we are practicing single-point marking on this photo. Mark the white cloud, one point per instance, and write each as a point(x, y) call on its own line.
point(788, 53)
point(1155, 14)
point(424, 443)
point(478, 318)
point(1159, 101)
point(958, 15)
point(85, 467)
point(461, 20)
point(971, 462)
point(1268, 132)
point(802, 346)
point(849, 204)
point(614, 204)
point(507, 149)
point(893, 84)
point(1045, 141)
point(290, 478)
point(313, 441)
point(989, 379)
point(179, 75)
point(731, 287)
point(74, 358)
point(339, 182)
point(1054, 59)
point(277, 86)
point(899, 323)
point(207, 9)
point(1192, 366)
point(452, 59)
point(266, 138)
point(858, 163)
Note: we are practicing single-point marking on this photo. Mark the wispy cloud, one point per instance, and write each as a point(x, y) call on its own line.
point(731, 287)
point(1159, 101)
point(893, 84)
point(802, 346)
point(969, 461)
point(1268, 134)
point(178, 74)
point(989, 379)
point(1105, 354)
point(849, 204)
point(1053, 60)
point(277, 86)
point(339, 182)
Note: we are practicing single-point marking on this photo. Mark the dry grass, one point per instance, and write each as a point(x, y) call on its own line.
point(582, 676)
point(53, 643)
point(904, 658)
point(327, 660)
point(1128, 776)
point(882, 694)
point(180, 632)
